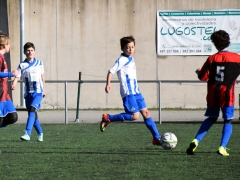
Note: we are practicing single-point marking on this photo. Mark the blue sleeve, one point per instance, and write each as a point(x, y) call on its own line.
point(5, 74)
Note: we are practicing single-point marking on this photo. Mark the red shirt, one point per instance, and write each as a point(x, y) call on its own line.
point(221, 70)
point(4, 96)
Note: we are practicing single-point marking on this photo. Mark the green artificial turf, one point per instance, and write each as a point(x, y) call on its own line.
point(123, 151)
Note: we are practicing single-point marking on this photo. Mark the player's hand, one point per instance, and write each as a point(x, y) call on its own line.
point(107, 88)
point(44, 95)
point(14, 73)
point(197, 71)
point(12, 87)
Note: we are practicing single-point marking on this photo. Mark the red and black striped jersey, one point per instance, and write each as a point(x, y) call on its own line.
point(4, 96)
point(221, 71)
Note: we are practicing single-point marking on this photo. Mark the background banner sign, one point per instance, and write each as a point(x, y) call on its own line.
point(188, 32)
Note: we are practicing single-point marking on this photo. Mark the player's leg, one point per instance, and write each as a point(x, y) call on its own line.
point(228, 115)
point(37, 125)
point(29, 125)
point(151, 126)
point(122, 117)
point(38, 128)
point(205, 126)
point(148, 119)
point(212, 113)
point(131, 113)
point(2, 124)
point(32, 103)
point(9, 118)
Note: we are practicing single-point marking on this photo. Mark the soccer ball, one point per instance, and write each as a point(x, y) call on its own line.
point(169, 140)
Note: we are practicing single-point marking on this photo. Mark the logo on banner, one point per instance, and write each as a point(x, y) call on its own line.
point(207, 48)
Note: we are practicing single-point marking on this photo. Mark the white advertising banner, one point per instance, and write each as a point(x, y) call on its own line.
point(188, 32)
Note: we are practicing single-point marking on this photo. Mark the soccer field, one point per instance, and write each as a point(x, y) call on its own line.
point(124, 151)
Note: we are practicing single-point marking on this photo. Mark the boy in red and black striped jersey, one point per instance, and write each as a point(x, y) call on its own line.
point(8, 114)
point(220, 71)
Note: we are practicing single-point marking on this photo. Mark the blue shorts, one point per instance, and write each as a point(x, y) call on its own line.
point(227, 112)
point(134, 103)
point(6, 107)
point(33, 99)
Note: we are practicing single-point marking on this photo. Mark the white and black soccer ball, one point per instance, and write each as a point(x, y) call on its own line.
point(169, 140)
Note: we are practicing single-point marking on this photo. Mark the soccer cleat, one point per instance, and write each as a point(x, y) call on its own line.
point(105, 121)
point(40, 137)
point(157, 142)
point(222, 151)
point(25, 137)
point(192, 147)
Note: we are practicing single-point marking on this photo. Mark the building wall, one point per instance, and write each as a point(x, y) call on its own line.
point(73, 36)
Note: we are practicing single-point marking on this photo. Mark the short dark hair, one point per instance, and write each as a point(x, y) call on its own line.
point(28, 45)
point(125, 40)
point(220, 39)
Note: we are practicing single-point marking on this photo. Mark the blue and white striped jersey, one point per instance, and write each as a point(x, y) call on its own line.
point(31, 74)
point(126, 71)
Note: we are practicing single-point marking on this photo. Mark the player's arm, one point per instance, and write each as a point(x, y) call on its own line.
point(14, 83)
point(116, 67)
point(108, 83)
point(16, 79)
point(43, 79)
point(14, 73)
point(44, 88)
point(197, 71)
point(203, 73)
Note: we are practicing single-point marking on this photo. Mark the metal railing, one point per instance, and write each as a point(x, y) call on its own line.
point(159, 82)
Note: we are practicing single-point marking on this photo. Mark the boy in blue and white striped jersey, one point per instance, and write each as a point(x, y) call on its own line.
point(31, 72)
point(133, 100)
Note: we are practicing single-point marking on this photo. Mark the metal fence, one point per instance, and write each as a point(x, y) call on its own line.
point(81, 82)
